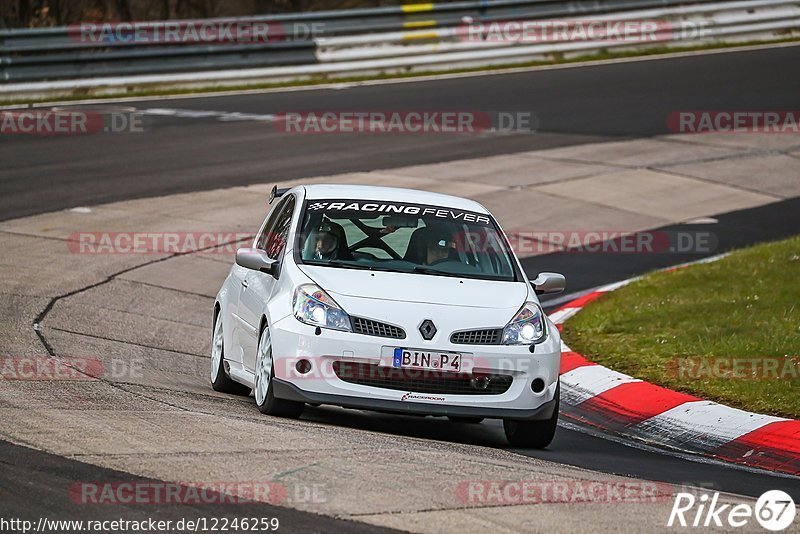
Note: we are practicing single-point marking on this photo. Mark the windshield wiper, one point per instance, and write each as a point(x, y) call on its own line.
point(337, 263)
point(419, 269)
point(436, 272)
point(347, 265)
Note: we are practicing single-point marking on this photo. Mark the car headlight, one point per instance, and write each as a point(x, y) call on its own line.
point(528, 327)
point(315, 307)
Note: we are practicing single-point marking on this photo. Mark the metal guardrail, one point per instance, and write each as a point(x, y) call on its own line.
point(386, 39)
point(21, 43)
point(387, 18)
point(705, 21)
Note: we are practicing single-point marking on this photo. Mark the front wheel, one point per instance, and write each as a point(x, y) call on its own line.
point(220, 381)
point(533, 434)
point(265, 394)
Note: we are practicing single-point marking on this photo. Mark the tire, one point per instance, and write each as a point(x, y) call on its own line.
point(264, 392)
point(465, 420)
point(220, 381)
point(533, 434)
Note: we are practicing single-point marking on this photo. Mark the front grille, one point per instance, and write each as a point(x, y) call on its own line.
point(478, 337)
point(376, 328)
point(421, 381)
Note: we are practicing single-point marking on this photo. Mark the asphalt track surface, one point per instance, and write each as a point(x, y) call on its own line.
point(35, 484)
point(731, 231)
point(574, 106)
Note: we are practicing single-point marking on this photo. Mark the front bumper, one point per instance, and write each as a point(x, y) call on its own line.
point(287, 390)
point(293, 341)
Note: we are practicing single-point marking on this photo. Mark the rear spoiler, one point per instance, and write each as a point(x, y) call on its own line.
point(277, 193)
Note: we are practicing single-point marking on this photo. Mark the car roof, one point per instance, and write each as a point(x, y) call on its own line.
point(392, 194)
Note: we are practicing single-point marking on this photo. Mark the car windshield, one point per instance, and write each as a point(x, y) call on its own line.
point(403, 237)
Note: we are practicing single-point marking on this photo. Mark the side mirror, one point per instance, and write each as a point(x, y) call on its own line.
point(257, 260)
point(549, 283)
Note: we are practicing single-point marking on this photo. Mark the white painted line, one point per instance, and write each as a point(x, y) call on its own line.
point(616, 285)
point(702, 220)
point(223, 116)
point(560, 316)
point(552, 303)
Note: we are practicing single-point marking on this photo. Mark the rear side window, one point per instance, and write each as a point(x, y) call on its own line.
point(273, 238)
point(261, 240)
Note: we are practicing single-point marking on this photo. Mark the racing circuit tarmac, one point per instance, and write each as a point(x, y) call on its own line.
point(574, 105)
point(168, 424)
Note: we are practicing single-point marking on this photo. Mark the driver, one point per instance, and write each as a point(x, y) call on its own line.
point(326, 245)
point(438, 249)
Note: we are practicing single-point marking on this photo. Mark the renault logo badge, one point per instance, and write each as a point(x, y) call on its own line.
point(427, 329)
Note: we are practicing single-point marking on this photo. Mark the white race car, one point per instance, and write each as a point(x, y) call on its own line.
point(392, 300)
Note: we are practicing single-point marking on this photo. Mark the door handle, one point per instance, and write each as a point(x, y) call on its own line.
point(244, 284)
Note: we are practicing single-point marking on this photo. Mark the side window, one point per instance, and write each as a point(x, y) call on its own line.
point(261, 240)
point(277, 234)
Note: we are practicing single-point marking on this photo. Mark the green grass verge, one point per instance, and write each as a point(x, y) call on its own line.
point(674, 328)
point(320, 80)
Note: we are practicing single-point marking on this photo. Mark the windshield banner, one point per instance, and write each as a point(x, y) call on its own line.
point(369, 208)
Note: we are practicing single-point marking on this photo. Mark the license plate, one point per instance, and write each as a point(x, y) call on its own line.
point(435, 361)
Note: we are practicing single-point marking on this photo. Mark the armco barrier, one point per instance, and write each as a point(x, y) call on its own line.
point(60, 53)
point(53, 62)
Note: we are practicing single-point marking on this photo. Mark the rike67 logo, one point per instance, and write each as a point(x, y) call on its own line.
point(774, 510)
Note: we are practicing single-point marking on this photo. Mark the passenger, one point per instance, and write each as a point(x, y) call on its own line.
point(438, 249)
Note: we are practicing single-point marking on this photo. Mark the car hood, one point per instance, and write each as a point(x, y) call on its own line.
point(418, 288)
